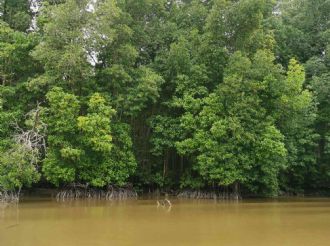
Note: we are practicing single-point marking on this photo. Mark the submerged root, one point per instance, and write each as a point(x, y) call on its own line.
point(91, 193)
point(197, 194)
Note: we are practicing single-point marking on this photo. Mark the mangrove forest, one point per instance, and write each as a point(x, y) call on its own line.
point(195, 98)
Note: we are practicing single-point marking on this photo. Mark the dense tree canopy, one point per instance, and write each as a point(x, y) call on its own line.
point(166, 94)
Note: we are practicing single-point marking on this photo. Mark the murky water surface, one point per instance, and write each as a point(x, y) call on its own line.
point(140, 222)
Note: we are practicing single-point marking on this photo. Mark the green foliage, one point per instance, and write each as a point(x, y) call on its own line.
point(17, 169)
point(234, 138)
point(61, 117)
point(168, 94)
point(16, 13)
point(302, 31)
point(83, 148)
point(95, 126)
point(15, 62)
point(62, 48)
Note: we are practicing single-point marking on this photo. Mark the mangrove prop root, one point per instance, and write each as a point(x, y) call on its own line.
point(9, 196)
point(220, 195)
point(81, 193)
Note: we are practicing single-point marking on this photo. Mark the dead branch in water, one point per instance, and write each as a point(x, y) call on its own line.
point(164, 203)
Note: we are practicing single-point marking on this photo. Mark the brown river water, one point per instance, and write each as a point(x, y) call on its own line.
point(40, 222)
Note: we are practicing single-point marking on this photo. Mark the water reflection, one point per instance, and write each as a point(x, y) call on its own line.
point(142, 222)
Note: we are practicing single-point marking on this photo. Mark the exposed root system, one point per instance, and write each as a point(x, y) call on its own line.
point(9, 196)
point(91, 193)
point(224, 195)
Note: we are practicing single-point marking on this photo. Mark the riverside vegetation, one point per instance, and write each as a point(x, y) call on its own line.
point(215, 98)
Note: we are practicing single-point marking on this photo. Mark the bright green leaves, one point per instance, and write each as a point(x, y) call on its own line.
point(113, 167)
point(71, 153)
point(122, 161)
point(17, 169)
point(295, 98)
point(61, 117)
point(63, 111)
point(56, 170)
point(83, 148)
point(96, 124)
point(81, 43)
point(296, 76)
point(18, 162)
point(270, 159)
point(192, 87)
point(234, 136)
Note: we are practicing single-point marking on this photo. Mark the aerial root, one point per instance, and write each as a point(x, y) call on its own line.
point(9, 196)
point(224, 195)
point(92, 193)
